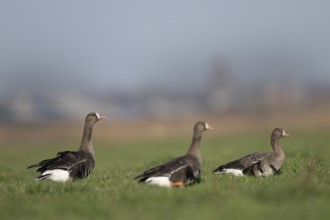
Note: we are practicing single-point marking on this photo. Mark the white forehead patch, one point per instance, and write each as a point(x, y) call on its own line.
point(97, 115)
point(207, 126)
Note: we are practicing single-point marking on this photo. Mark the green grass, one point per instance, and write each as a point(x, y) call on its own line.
point(302, 191)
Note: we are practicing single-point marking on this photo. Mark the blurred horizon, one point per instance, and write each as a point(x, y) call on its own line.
point(162, 60)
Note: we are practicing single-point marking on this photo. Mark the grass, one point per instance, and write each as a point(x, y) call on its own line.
point(302, 191)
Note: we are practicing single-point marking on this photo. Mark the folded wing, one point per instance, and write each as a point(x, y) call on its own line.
point(79, 164)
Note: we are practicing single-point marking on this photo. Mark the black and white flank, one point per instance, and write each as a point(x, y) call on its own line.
point(258, 164)
point(181, 171)
point(73, 165)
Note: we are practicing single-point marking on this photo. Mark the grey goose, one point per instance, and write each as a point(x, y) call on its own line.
point(258, 164)
point(181, 171)
point(72, 164)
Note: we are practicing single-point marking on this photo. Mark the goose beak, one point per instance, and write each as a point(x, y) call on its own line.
point(208, 127)
point(99, 117)
point(284, 134)
point(102, 117)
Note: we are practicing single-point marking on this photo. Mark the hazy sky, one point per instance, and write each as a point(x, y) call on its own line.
point(104, 45)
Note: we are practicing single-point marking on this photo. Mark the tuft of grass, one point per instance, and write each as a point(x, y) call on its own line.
point(301, 191)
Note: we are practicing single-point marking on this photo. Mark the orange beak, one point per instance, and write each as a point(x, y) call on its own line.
point(208, 127)
point(284, 134)
point(102, 117)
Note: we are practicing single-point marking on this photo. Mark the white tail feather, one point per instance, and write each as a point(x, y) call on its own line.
point(56, 175)
point(235, 172)
point(163, 181)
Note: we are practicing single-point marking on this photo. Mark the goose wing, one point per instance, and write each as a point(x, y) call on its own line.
point(262, 167)
point(181, 169)
point(78, 163)
point(242, 163)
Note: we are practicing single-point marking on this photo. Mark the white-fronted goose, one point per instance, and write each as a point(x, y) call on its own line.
point(181, 171)
point(72, 164)
point(258, 164)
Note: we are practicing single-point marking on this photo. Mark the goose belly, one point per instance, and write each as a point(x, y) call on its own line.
point(266, 171)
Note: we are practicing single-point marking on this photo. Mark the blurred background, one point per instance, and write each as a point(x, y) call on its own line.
point(240, 65)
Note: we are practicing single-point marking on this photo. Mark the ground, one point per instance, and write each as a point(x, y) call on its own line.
point(301, 191)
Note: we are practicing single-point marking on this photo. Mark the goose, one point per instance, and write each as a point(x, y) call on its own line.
point(72, 164)
point(258, 164)
point(180, 171)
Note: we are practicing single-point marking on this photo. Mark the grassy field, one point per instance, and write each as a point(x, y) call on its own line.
point(302, 191)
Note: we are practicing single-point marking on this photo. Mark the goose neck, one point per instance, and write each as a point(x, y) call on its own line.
point(194, 148)
point(86, 142)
